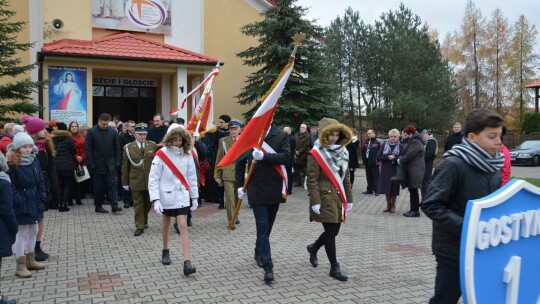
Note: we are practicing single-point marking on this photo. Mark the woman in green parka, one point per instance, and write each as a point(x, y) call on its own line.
point(329, 189)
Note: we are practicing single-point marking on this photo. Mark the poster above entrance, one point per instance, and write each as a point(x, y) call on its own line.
point(149, 16)
point(67, 94)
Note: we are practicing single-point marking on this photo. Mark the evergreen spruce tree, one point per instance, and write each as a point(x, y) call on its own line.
point(308, 95)
point(14, 92)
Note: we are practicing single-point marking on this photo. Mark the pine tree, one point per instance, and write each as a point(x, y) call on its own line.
point(14, 92)
point(308, 96)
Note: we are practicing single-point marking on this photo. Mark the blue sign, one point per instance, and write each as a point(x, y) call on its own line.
point(500, 246)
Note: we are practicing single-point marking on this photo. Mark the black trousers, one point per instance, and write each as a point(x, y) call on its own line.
point(328, 240)
point(372, 177)
point(415, 200)
point(66, 184)
point(447, 286)
point(265, 215)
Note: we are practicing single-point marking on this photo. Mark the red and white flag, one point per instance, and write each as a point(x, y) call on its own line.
point(260, 122)
point(200, 120)
point(210, 76)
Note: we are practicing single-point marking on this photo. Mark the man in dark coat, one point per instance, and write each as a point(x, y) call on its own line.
point(265, 192)
point(370, 149)
point(468, 171)
point(289, 167)
point(455, 138)
point(430, 152)
point(300, 154)
point(103, 158)
point(158, 131)
point(212, 191)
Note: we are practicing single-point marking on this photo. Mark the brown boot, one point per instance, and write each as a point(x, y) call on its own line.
point(31, 263)
point(388, 198)
point(393, 204)
point(22, 271)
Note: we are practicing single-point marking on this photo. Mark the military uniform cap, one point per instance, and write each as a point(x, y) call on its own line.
point(141, 128)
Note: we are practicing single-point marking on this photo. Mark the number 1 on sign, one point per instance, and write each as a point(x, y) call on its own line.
point(511, 277)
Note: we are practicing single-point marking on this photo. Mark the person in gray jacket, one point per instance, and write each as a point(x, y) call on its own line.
point(103, 158)
point(469, 170)
point(412, 157)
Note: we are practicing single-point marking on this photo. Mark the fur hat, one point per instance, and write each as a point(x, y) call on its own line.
point(34, 125)
point(22, 139)
point(61, 126)
point(327, 125)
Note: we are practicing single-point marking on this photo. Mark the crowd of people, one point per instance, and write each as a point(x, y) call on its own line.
point(163, 167)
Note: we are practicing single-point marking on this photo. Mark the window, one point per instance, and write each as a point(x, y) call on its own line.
point(113, 91)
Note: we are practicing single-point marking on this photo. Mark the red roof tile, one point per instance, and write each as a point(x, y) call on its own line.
point(533, 84)
point(125, 46)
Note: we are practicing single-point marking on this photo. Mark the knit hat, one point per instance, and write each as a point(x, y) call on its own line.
point(17, 128)
point(22, 139)
point(61, 126)
point(34, 125)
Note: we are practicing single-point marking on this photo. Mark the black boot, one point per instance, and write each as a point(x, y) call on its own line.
point(313, 255)
point(268, 274)
point(78, 201)
point(221, 204)
point(256, 257)
point(165, 257)
point(63, 207)
point(40, 254)
point(70, 202)
point(188, 268)
point(335, 272)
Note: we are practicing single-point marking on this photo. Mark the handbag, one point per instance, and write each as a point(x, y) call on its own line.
point(400, 175)
point(81, 173)
point(205, 166)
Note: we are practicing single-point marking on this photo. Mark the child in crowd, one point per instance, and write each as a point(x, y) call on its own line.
point(172, 181)
point(28, 187)
point(469, 170)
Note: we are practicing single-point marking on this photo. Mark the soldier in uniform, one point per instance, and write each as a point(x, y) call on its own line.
point(136, 163)
point(225, 177)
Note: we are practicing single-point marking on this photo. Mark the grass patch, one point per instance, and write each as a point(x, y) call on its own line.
point(534, 181)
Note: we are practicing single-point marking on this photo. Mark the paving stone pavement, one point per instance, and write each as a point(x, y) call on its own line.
point(96, 259)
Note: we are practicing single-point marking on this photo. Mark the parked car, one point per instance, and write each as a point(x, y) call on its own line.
point(528, 152)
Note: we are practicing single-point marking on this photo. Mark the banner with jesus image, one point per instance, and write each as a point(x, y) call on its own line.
point(67, 94)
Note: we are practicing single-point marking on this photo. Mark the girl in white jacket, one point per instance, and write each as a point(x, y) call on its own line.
point(170, 191)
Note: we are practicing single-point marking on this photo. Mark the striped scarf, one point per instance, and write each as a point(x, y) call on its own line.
point(477, 157)
point(336, 155)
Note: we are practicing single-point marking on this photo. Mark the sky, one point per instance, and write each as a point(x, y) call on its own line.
point(443, 15)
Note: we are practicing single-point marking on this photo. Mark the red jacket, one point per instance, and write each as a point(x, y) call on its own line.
point(79, 144)
point(4, 142)
point(506, 170)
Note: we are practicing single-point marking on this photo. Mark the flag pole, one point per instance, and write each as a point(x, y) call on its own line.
point(298, 39)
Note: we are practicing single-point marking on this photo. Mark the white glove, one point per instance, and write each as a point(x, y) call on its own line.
point(349, 206)
point(241, 193)
point(218, 180)
point(126, 188)
point(316, 208)
point(257, 154)
point(157, 208)
point(194, 204)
